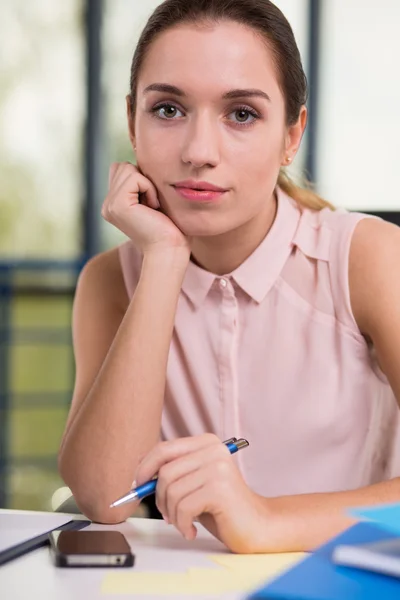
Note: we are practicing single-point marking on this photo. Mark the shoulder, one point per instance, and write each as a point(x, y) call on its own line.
point(326, 234)
point(374, 272)
point(374, 238)
point(102, 277)
point(103, 267)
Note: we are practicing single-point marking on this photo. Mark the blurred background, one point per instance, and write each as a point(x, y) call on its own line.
point(63, 80)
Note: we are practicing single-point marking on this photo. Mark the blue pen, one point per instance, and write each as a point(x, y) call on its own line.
point(149, 487)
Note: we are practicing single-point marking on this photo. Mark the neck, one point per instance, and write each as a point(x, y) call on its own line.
point(222, 254)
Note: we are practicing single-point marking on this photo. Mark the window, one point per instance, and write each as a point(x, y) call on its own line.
point(41, 122)
point(41, 119)
point(359, 122)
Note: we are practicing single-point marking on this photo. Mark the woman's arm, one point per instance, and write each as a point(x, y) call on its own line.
point(374, 278)
point(121, 349)
point(121, 365)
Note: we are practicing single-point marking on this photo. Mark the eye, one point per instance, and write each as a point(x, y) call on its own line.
point(242, 114)
point(165, 111)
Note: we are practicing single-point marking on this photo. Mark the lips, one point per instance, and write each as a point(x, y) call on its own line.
point(202, 186)
point(201, 194)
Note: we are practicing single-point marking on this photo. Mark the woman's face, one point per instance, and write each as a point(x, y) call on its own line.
point(223, 124)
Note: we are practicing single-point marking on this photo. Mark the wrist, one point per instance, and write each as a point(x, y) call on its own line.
point(270, 530)
point(285, 527)
point(174, 257)
point(166, 269)
point(263, 534)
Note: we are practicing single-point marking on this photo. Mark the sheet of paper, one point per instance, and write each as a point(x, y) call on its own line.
point(386, 516)
point(17, 528)
point(235, 573)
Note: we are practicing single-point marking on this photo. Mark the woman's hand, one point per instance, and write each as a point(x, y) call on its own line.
point(148, 228)
point(198, 480)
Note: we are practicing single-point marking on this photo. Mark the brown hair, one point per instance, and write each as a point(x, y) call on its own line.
point(266, 19)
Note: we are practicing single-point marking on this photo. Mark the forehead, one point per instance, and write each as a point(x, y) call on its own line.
point(212, 58)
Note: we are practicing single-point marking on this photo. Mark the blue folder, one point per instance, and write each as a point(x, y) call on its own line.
point(317, 578)
point(386, 516)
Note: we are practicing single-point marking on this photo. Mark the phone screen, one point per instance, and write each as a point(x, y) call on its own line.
point(91, 548)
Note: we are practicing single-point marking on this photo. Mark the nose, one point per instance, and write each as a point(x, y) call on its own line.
point(201, 145)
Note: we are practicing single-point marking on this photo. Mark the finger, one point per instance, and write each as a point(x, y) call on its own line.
point(123, 173)
point(119, 174)
point(111, 173)
point(129, 182)
point(179, 490)
point(218, 476)
point(165, 452)
point(190, 508)
point(179, 468)
point(149, 191)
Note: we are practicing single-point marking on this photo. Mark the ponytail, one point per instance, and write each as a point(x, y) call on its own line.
point(304, 196)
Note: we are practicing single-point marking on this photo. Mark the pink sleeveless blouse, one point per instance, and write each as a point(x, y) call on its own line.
point(271, 352)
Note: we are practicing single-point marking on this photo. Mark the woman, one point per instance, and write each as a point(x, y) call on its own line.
point(241, 305)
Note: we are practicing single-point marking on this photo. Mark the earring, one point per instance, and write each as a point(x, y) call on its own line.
point(288, 159)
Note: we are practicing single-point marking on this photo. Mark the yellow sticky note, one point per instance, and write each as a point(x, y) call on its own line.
point(157, 583)
point(269, 564)
point(237, 573)
point(201, 582)
point(221, 581)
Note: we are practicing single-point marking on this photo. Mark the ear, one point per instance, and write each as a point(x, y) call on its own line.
point(131, 123)
point(293, 138)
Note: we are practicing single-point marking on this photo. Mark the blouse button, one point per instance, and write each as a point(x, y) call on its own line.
point(223, 283)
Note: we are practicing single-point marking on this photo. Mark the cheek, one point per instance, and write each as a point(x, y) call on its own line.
point(156, 147)
point(154, 162)
point(260, 150)
point(260, 166)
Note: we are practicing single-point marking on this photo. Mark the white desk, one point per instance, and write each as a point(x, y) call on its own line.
point(157, 547)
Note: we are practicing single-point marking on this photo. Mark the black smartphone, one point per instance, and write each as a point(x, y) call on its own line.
point(90, 549)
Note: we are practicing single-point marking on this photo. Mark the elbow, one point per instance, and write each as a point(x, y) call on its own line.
point(95, 505)
point(100, 511)
point(64, 469)
point(104, 516)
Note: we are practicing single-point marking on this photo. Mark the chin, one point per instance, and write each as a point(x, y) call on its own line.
point(202, 226)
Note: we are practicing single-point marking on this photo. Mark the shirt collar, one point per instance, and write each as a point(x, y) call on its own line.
point(197, 283)
point(257, 274)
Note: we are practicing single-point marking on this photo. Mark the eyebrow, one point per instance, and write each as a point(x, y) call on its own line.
point(232, 94)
